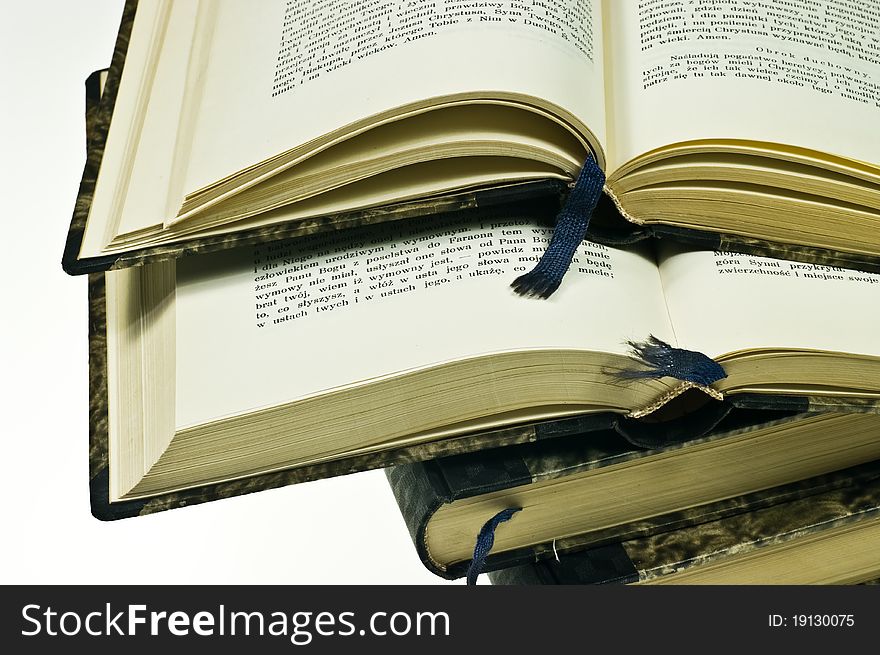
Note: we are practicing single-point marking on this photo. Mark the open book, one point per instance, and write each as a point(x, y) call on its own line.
point(238, 122)
point(304, 352)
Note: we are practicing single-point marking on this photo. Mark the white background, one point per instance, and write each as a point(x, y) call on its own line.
point(341, 530)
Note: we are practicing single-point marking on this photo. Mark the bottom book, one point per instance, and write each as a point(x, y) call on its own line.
point(589, 490)
point(829, 537)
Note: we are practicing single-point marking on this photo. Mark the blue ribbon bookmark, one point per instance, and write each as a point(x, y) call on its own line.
point(485, 541)
point(571, 227)
point(663, 360)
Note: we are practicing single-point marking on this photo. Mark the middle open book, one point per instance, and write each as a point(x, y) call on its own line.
point(280, 356)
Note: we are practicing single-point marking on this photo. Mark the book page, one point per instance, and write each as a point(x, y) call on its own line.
point(268, 324)
point(153, 55)
point(797, 72)
point(722, 302)
point(281, 73)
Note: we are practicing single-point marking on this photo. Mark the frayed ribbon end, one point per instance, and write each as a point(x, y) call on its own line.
point(662, 360)
point(536, 283)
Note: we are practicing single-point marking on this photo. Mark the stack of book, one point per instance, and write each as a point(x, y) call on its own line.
point(297, 272)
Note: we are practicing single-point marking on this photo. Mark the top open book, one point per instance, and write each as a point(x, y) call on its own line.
point(751, 124)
